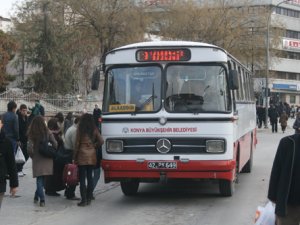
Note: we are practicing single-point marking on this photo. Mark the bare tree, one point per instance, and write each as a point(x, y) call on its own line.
point(62, 37)
point(112, 22)
point(239, 28)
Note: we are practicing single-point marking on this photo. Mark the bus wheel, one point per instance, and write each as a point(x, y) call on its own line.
point(130, 187)
point(226, 187)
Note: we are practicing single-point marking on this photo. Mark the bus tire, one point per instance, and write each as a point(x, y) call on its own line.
point(226, 187)
point(130, 187)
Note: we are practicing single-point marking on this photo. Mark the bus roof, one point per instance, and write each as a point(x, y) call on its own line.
point(123, 57)
point(167, 44)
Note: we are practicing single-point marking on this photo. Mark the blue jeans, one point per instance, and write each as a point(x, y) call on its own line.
point(39, 193)
point(96, 177)
point(86, 173)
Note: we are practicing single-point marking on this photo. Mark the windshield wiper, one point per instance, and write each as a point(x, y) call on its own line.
point(204, 92)
point(148, 100)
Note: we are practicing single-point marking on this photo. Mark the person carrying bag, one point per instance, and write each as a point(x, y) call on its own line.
point(41, 166)
point(19, 156)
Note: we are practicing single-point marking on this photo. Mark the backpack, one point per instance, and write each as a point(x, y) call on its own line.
point(36, 111)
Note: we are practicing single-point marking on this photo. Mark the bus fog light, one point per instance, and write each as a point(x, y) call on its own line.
point(114, 146)
point(215, 146)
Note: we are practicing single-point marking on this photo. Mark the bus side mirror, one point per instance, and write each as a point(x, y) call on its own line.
point(233, 80)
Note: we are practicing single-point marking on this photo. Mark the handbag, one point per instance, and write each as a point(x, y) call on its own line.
point(19, 156)
point(71, 174)
point(46, 149)
point(63, 156)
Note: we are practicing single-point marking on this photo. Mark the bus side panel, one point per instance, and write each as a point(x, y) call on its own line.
point(254, 138)
point(244, 149)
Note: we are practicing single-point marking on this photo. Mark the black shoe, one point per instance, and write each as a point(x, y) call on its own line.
point(82, 203)
point(73, 198)
point(42, 203)
point(35, 200)
point(52, 193)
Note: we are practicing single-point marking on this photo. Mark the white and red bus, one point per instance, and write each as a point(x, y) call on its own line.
point(176, 110)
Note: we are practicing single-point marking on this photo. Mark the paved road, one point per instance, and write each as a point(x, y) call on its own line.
point(156, 204)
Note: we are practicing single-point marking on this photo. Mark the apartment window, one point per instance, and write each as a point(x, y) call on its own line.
point(292, 76)
point(287, 12)
point(292, 99)
point(288, 55)
point(294, 55)
point(292, 34)
point(280, 75)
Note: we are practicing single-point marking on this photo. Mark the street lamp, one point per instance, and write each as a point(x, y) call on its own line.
point(268, 57)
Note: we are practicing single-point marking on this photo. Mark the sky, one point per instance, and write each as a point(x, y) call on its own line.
point(6, 7)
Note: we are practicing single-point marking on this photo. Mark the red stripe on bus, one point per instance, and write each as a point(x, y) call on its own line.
point(115, 170)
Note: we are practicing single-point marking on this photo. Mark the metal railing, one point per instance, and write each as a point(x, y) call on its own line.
point(52, 105)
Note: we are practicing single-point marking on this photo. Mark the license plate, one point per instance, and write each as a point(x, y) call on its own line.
point(162, 165)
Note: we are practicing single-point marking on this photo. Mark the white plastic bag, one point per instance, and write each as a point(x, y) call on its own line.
point(266, 214)
point(19, 156)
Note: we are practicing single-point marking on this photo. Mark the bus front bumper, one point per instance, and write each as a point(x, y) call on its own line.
point(118, 170)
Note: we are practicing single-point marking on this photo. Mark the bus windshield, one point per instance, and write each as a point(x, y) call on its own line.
point(133, 89)
point(196, 88)
point(189, 88)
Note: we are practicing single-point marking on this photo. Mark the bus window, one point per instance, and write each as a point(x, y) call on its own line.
point(196, 88)
point(133, 89)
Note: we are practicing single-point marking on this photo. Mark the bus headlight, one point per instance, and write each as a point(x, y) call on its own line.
point(215, 146)
point(114, 146)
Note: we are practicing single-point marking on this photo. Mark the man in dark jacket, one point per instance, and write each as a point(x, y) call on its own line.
point(97, 115)
point(261, 114)
point(284, 187)
point(23, 125)
point(273, 115)
point(7, 165)
point(11, 125)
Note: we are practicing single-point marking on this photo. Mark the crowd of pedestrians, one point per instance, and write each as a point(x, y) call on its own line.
point(278, 113)
point(75, 139)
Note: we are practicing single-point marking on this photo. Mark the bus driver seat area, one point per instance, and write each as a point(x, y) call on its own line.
point(190, 97)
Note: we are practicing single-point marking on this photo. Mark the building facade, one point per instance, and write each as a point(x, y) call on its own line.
point(283, 79)
point(5, 24)
point(284, 76)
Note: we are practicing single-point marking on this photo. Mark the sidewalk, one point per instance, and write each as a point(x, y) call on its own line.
point(33, 214)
